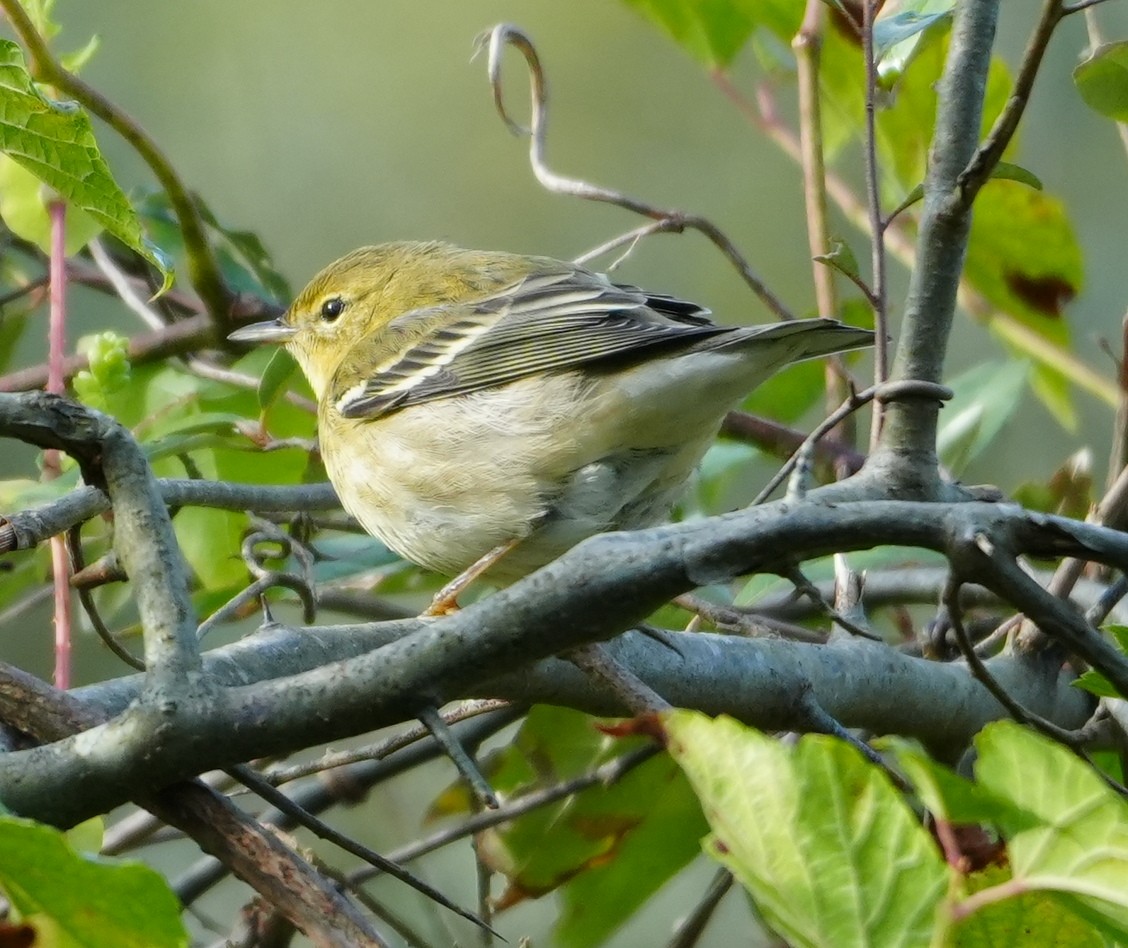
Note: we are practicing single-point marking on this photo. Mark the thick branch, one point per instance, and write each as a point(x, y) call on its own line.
point(243, 846)
point(596, 590)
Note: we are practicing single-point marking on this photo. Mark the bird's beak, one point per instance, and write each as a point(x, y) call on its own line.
point(273, 330)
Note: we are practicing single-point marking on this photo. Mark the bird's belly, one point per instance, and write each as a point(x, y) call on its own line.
point(528, 467)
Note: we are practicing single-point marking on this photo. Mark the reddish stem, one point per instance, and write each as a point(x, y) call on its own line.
point(56, 350)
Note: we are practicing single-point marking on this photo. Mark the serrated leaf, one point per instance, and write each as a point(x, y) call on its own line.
point(81, 903)
point(1095, 683)
point(1102, 80)
point(1078, 847)
point(828, 849)
point(985, 398)
point(55, 142)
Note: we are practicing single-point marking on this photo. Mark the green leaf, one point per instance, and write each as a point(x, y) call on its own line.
point(243, 260)
point(1102, 80)
point(841, 258)
point(1007, 171)
point(1031, 918)
point(1072, 839)
point(275, 379)
point(1095, 683)
point(712, 31)
point(23, 209)
point(607, 849)
point(891, 32)
point(210, 542)
point(76, 901)
point(986, 396)
point(828, 849)
point(54, 141)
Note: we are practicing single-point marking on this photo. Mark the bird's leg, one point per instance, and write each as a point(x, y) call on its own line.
point(446, 599)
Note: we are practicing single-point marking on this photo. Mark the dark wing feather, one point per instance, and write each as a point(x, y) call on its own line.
point(546, 322)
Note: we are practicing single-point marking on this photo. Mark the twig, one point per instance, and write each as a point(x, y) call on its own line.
point(276, 798)
point(74, 545)
point(980, 671)
point(56, 346)
point(595, 661)
point(805, 586)
point(690, 930)
point(853, 402)
point(460, 757)
point(782, 440)
point(987, 156)
point(327, 761)
point(507, 34)
point(187, 335)
point(606, 775)
point(876, 226)
point(1074, 740)
point(734, 619)
point(21, 531)
point(807, 44)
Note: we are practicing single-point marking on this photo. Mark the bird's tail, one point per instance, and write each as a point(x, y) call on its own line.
point(810, 338)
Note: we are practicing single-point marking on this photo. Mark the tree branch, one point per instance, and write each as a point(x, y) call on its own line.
point(906, 455)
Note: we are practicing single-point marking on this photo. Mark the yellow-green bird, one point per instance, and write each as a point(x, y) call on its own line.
point(474, 402)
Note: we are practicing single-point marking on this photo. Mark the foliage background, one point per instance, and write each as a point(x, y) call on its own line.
point(325, 127)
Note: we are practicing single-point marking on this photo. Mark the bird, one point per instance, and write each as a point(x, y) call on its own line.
point(482, 412)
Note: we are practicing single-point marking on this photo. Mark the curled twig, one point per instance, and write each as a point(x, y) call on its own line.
point(506, 34)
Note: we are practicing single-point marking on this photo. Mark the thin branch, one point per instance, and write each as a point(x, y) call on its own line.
point(596, 662)
point(987, 156)
point(86, 598)
point(876, 226)
point(276, 798)
point(506, 34)
point(462, 759)
point(330, 760)
point(690, 930)
point(24, 530)
point(980, 671)
point(605, 775)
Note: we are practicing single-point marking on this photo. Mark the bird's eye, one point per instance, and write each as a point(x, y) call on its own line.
point(332, 308)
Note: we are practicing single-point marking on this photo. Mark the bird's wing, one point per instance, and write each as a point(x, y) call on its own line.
point(546, 322)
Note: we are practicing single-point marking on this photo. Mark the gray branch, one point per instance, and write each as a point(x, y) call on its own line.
point(598, 589)
point(906, 457)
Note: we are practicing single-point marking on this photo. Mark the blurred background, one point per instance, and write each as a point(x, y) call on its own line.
point(322, 127)
point(325, 127)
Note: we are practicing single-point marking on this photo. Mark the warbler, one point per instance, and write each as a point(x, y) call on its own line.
point(472, 401)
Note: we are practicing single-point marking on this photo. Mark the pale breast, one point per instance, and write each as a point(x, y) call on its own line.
point(553, 459)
